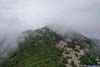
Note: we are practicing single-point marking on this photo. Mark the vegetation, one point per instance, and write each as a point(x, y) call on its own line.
point(36, 51)
point(88, 60)
point(90, 57)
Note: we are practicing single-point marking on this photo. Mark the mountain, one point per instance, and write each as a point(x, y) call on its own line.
point(96, 41)
point(47, 48)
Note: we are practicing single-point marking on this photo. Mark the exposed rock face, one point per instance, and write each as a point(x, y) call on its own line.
point(70, 56)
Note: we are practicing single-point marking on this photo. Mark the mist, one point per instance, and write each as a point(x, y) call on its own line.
point(17, 16)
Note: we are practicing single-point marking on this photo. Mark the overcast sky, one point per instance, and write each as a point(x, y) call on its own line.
point(80, 15)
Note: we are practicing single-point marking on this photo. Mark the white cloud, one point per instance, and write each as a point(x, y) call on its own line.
point(81, 15)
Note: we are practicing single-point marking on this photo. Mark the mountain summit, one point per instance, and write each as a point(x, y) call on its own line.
point(47, 48)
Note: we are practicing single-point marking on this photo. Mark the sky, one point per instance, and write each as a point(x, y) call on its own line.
point(20, 15)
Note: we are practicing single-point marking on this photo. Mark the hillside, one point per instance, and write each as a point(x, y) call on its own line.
point(97, 41)
point(46, 48)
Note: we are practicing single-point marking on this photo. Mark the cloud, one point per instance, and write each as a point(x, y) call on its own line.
point(19, 15)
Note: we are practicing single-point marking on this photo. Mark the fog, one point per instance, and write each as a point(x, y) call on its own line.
point(17, 16)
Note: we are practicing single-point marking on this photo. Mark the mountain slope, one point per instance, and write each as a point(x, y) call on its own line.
point(96, 41)
point(37, 50)
point(46, 48)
